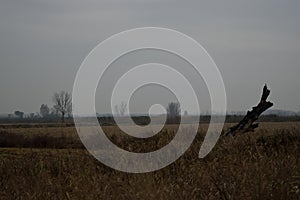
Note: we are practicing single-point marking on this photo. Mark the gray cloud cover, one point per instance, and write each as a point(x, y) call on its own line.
point(42, 44)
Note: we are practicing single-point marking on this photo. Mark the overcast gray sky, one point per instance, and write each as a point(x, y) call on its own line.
point(43, 43)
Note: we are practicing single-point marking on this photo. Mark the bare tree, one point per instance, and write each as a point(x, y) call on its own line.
point(186, 113)
point(62, 103)
point(44, 110)
point(31, 115)
point(121, 109)
point(19, 114)
point(173, 109)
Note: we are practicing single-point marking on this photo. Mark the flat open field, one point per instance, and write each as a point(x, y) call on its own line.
point(51, 163)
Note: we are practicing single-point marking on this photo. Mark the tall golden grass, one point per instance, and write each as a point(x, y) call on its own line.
point(260, 165)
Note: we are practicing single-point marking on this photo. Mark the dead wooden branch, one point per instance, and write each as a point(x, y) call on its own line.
point(247, 124)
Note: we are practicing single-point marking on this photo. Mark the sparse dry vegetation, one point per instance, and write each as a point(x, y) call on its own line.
point(50, 163)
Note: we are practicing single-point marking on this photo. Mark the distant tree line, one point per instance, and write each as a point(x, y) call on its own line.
point(62, 108)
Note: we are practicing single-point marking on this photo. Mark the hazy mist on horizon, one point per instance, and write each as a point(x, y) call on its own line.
point(43, 43)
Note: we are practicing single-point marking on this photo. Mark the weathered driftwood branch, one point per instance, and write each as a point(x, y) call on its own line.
point(247, 124)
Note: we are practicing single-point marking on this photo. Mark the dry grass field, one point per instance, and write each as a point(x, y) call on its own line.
point(51, 163)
